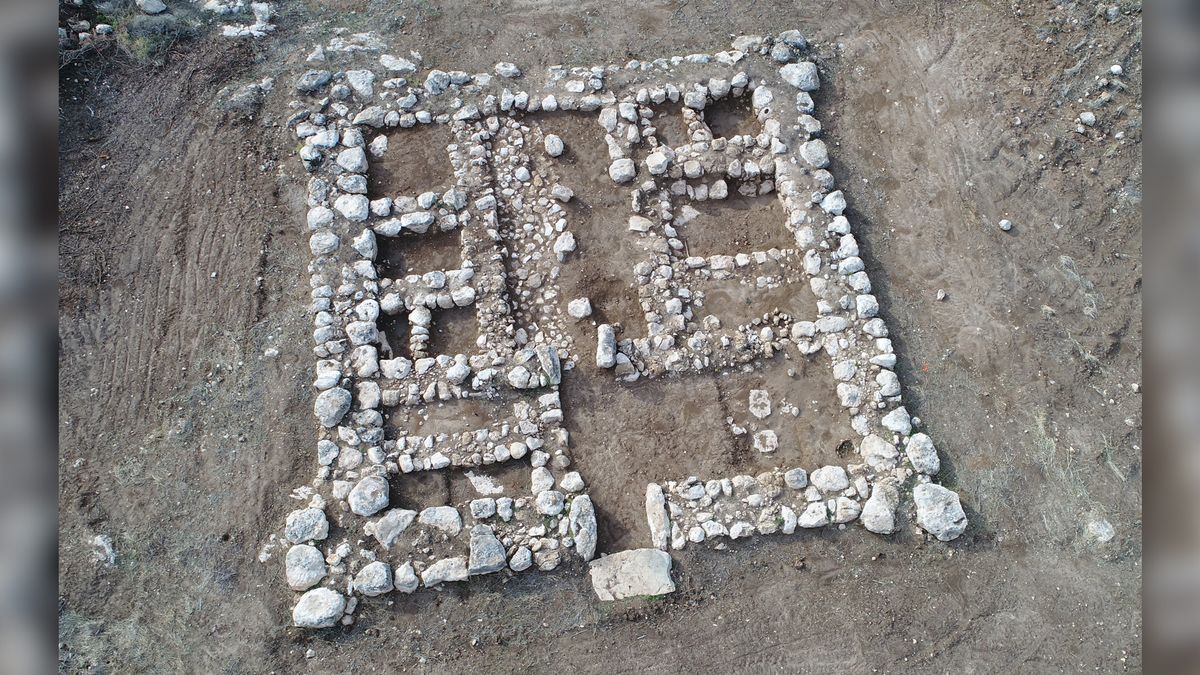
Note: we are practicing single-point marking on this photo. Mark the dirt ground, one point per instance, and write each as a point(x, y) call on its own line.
point(183, 259)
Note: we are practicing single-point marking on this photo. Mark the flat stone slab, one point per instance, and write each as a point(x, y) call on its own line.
point(633, 573)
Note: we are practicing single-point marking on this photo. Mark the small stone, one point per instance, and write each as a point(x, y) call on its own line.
point(483, 508)
point(487, 553)
point(369, 496)
point(437, 81)
point(1087, 118)
point(306, 525)
point(815, 515)
point(572, 482)
point(766, 441)
point(353, 207)
point(353, 183)
point(397, 65)
point(898, 420)
point(152, 6)
point(579, 308)
point(562, 193)
point(554, 145)
point(815, 153)
point(457, 373)
point(802, 76)
point(374, 116)
point(392, 525)
point(404, 578)
point(622, 170)
point(657, 517)
point(521, 560)
point(540, 480)
point(879, 512)
point(305, 567)
point(761, 98)
point(781, 52)
point(444, 518)
point(923, 455)
point(319, 217)
point(418, 221)
point(632, 573)
point(878, 453)
point(740, 530)
point(939, 511)
point(374, 579)
point(867, 306)
point(362, 82)
point(323, 243)
point(794, 39)
point(510, 70)
point(657, 163)
point(564, 244)
point(366, 244)
point(606, 346)
point(796, 479)
point(1101, 530)
point(520, 377)
point(834, 202)
point(447, 569)
point(1006, 225)
point(849, 395)
point(830, 479)
point(845, 510)
point(760, 403)
point(550, 502)
point(353, 160)
point(582, 524)
point(331, 405)
point(319, 608)
point(788, 516)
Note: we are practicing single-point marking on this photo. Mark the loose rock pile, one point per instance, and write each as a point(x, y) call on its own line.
point(505, 207)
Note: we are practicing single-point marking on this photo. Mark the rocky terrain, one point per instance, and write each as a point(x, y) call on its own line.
point(989, 171)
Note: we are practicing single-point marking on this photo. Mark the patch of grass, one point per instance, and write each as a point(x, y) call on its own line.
point(145, 48)
point(149, 38)
point(427, 11)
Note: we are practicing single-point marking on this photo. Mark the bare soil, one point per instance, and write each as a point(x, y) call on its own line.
point(183, 259)
point(413, 165)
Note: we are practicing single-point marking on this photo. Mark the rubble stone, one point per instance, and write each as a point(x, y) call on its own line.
point(632, 573)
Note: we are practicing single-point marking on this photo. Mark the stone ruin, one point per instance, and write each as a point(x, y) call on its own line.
point(504, 211)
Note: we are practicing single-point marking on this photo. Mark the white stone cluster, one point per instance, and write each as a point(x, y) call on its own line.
point(261, 12)
point(506, 207)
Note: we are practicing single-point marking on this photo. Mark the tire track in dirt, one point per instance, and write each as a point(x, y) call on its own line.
point(161, 340)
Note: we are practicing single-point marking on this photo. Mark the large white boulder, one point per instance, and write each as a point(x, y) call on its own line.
point(939, 511)
point(633, 573)
point(319, 608)
point(802, 76)
point(369, 496)
point(304, 566)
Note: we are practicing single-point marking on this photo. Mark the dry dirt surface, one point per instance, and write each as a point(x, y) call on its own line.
point(183, 260)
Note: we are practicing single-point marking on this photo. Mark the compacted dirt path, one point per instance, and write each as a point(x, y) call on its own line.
point(185, 391)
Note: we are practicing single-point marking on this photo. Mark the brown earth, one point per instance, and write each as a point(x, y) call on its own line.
point(183, 259)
